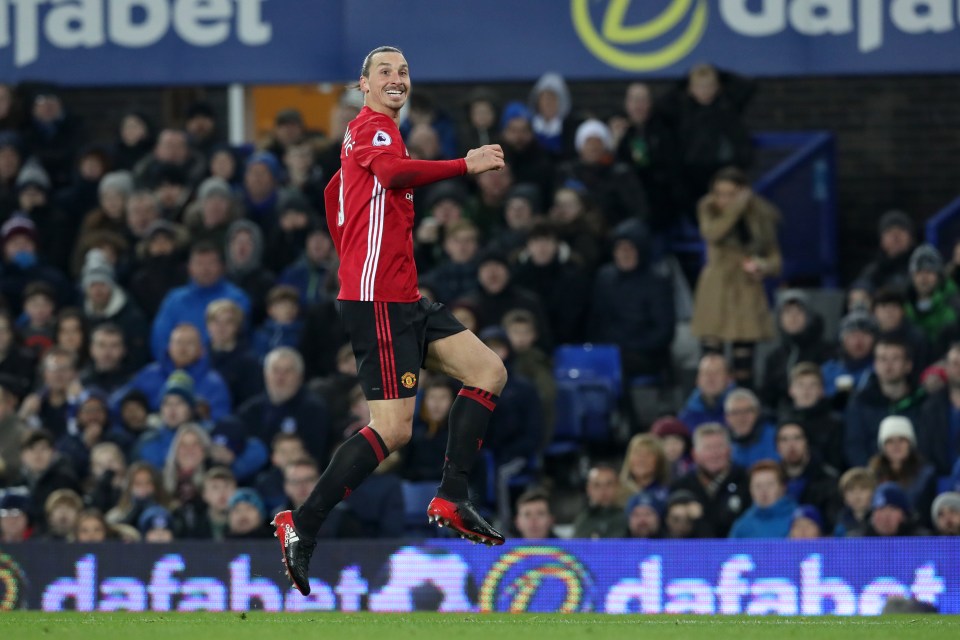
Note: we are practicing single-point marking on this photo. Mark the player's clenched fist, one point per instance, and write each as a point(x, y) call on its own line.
point(489, 157)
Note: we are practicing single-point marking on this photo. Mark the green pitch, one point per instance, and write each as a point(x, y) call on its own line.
point(427, 626)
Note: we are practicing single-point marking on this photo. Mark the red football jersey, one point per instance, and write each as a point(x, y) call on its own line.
point(369, 205)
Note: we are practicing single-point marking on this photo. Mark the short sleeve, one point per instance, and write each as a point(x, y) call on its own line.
point(374, 138)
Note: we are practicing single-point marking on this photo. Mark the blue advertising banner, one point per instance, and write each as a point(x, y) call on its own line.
point(841, 577)
point(142, 42)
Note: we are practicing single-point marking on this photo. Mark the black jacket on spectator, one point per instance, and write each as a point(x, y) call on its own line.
point(866, 409)
point(492, 308)
point(933, 432)
point(651, 152)
point(612, 187)
point(323, 335)
point(124, 312)
point(817, 486)
point(806, 346)
point(103, 494)
point(55, 146)
point(56, 247)
point(19, 364)
point(920, 347)
point(450, 281)
point(191, 521)
point(888, 273)
point(532, 165)
point(634, 309)
point(242, 372)
point(824, 431)
point(564, 289)
point(727, 500)
point(108, 381)
point(709, 137)
point(303, 414)
point(14, 279)
point(59, 475)
point(154, 278)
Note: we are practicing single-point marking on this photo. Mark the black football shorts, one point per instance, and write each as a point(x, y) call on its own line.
point(390, 341)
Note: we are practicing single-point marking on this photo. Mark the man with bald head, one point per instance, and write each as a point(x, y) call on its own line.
point(184, 352)
point(288, 407)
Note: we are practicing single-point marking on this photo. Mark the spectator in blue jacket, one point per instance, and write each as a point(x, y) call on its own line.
point(185, 352)
point(177, 407)
point(706, 403)
point(888, 391)
point(754, 439)
point(854, 362)
point(189, 302)
point(772, 512)
point(632, 304)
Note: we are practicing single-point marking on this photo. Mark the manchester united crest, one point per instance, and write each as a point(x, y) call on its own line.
point(408, 380)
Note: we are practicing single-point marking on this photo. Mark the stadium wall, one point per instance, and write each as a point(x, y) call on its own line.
point(843, 577)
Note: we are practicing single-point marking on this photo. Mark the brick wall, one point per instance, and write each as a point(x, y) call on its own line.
point(898, 137)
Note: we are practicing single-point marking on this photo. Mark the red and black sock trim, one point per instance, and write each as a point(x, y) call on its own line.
point(376, 443)
point(485, 398)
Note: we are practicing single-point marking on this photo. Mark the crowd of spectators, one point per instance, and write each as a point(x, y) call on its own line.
point(172, 365)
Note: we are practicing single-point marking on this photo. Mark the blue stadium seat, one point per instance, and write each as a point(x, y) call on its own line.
point(589, 384)
point(416, 497)
point(589, 363)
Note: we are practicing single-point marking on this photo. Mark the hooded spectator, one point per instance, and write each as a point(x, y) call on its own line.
point(22, 265)
point(215, 208)
point(891, 268)
point(244, 261)
point(891, 515)
point(552, 122)
point(105, 301)
point(161, 267)
point(933, 302)
point(801, 340)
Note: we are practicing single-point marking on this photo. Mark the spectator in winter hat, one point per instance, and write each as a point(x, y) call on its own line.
point(806, 523)
point(155, 525)
point(891, 514)
point(211, 214)
point(14, 518)
point(898, 460)
point(114, 191)
point(104, 300)
point(200, 122)
point(244, 258)
point(675, 439)
point(35, 199)
point(945, 513)
point(261, 189)
point(531, 163)
point(932, 299)
point(247, 516)
point(644, 513)
point(890, 269)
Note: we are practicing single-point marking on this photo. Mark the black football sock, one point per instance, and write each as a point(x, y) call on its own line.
point(469, 417)
point(356, 459)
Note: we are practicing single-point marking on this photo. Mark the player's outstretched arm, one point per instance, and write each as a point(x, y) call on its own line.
point(489, 157)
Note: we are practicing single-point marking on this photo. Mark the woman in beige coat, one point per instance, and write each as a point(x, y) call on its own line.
point(730, 304)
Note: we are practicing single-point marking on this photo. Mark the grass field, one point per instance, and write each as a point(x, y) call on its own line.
point(427, 626)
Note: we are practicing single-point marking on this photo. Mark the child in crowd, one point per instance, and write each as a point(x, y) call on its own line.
point(857, 486)
point(530, 361)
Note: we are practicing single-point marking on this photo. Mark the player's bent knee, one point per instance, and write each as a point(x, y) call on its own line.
point(495, 376)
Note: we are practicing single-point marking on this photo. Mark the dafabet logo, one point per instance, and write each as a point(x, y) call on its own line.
point(658, 42)
point(654, 34)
